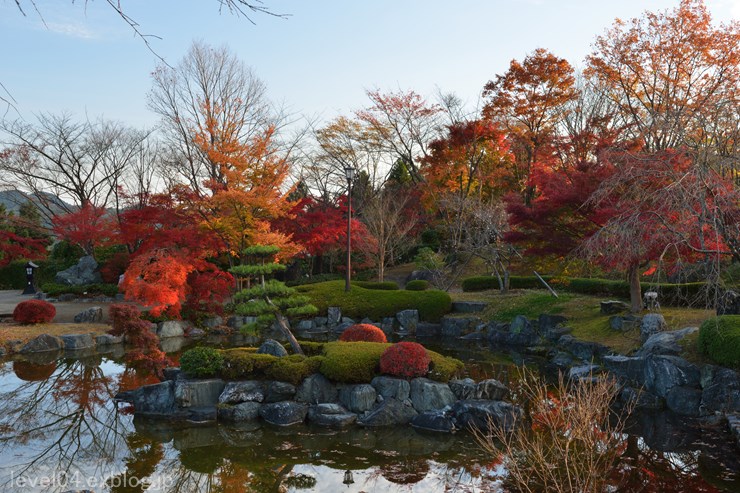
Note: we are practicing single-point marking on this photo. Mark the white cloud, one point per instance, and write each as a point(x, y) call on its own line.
point(72, 29)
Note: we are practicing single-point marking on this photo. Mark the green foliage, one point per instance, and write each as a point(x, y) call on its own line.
point(719, 338)
point(201, 362)
point(312, 348)
point(376, 304)
point(352, 362)
point(243, 362)
point(53, 289)
point(428, 259)
point(261, 251)
point(257, 270)
point(293, 369)
point(63, 256)
point(417, 285)
point(314, 279)
point(13, 275)
point(443, 368)
point(385, 285)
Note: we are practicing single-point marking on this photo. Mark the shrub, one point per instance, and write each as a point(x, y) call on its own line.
point(201, 361)
point(294, 368)
point(383, 286)
point(405, 359)
point(363, 333)
point(352, 362)
point(719, 338)
point(53, 289)
point(245, 362)
point(34, 312)
point(443, 368)
point(417, 285)
point(311, 348)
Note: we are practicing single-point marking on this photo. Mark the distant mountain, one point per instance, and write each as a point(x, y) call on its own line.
point(48, 204)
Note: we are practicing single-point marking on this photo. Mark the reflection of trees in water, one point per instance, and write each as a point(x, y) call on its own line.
point(61, 422)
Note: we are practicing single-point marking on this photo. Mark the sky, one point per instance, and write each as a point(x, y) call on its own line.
point(83, 59)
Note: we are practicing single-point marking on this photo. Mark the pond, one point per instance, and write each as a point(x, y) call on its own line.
point(61, 430)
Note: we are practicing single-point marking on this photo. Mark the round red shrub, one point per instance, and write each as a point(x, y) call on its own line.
point(405, 359)
point(34, 312)
point(362, 333)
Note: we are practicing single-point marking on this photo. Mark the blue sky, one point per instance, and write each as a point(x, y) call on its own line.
point(318, 62)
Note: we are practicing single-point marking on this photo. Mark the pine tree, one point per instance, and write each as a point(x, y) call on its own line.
point(269, 300)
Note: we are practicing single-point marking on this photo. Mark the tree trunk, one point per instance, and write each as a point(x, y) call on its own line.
point(283, 324)
point(635, 289)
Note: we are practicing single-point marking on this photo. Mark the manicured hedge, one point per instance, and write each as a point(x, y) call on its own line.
point(53, 289)
point(201, 362)
point(352, 362)
point(719, 338)
point(376, 304)
point(482, 283)
point(363, 333)
point(384, 286)
point(417, 285)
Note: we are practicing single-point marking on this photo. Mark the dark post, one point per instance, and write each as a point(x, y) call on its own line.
point(30, 289)
point(349, 173)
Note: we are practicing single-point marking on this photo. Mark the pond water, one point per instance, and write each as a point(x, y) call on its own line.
point(61, 430)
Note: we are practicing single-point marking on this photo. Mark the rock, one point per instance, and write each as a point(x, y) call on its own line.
point(172, 344)
point(408, 320)
point(333, 316)
point(583, 372)
point(73, 342)
point(108, 340)
point(427, 329)
point(172, 373)
point(652, 323)
point(642, 399)
point(468, 306)
point(473, 336)
point(284, 413)
point(612, 307)
point(42, 343)
point(721, 390)
point(389, 387)
point(457, 326)
point(84, 272)
point(390, 412)
point(305, 326)
point(279, 391)
point(427, 395)
point(729, 303)
point(616, 322)
point(338, 329)
point(198, 393)
point(733, 423)
point(246, 391)
point(387, 325)
point(551, 326)
point(171, 328)
point(330, 415)
point(94, 314)
point(665, 342)
point(358, 398)
point(479, 413)
point(347, 320)
point(491, 390)
point(243, 411)
point(562, 360)
point(463, 389)
point(582, 349)
point(662, 373)
point(631, 368)
point(196, 333)
point(271, 346)
point(235, 322)
point(155, 400)
point(684, 400)
point(211, 322)
point(316, 389)
point(438, 421)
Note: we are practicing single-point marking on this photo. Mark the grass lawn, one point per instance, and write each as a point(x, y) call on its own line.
point(11, 331)
point(583, 315)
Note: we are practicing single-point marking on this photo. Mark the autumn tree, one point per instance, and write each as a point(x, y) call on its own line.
point(89, 227)
point(20, 238)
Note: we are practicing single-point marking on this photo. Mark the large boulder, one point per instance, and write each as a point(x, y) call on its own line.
point(155, 400)
point(408, 320)
point(427, 395)
point(73, 342)
point(94, 314)
point(665, 342)
point(279, 391)
point(684, 400)
point(641, 398)
point(333, 316)
point(243, 411)
point(84, 272)
point(316, 389)
point(246, 391)
point(198, 393)
point(389, 387)
point(330, 415)
point(457, 326)
point(584, 350)
point(463, 389)
point(662, 373)
point(491, 390)
point(271, 346)
point(42, 343)
point(171, 328)
point(358, 398)
point(108, 340)
point(729, 303)
point(519, 332)
point(551, 326)
point(721, 390)
point(652, 323)
point(390, 412)
point(439, 420)
point(631, 368)
point(480, 414)
point(284, 413)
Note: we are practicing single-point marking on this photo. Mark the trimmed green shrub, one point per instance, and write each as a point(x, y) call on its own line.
point(294, 368)
point(311, 348)
point(383, 286)
point(363, 333)
point(417, 285)
point(244, 362)
point(719, 338)
point(376, 304)
point(405, 360)
point(34, 312)
point(352, 362)
point(201, 362)
point(444, 368)
point(53, 289)
point(482, 283)
point(313, 279)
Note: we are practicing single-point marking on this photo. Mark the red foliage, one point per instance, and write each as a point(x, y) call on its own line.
point(363, 333)
point(405, 359)
point(34, 312)
point(208, 291)
point(89, 227)
point(114, 267)
point(126, 321)
point(16, 247)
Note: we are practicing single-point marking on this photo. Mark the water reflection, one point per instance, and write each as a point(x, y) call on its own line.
point(59, 424)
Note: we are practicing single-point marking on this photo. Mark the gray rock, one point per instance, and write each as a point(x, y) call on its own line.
point(662, 373)
point(74, 342)
point(642, 399)
point(271, 346)
point(729, 303)
point(491, 390)
point(582, 349)
point(389, 387)
point(427, 329)
point(41, 343)
point(551, 326)
point(333, 316)
point(612, 307)
point(212, 322)
point(306, 326)
point(243, 411)
point(172, 344)
point(519, 333)
point(235, 321)
point(108, 340)
point(279, 391)
point(84, 272)
point(65, 297)
point(427, 395)
point(320, 321)
point(387, 325)
point(171, 328)
point(665, 342)
point(463, 389)
point(583, 372)
point(473, 336)
point(468, 306)
point(721, 390)
point(390, 412)
point(316, 389)
point(330, 415)
point(94, 314)
point(733, 424)
point(631, 368)
point(155, 400)
point(457, 326)
point(284, 413)
point(172, 373)
point(408, 320)
point(358, 398)
point(198, 393)
point(480, 414)
point(652, 323)
point(438, 421)
point(347, 320)
point(562, 360)
point(684, 400)
point(246, 391)
point(196, 333)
